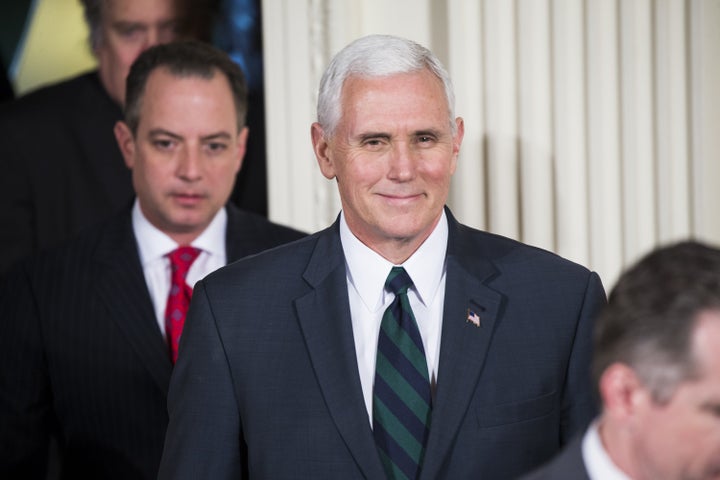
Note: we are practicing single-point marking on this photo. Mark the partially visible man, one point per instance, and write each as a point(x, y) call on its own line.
point(657, 368)
point(62, 170)
point(89, 330)
point(397, 343)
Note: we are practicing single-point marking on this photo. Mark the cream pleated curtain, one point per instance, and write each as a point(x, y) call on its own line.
point(592, 127)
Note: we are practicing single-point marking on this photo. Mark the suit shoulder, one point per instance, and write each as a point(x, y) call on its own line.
point(271, 265)
point(51, 98)
point(506, 251)
point(259, 225)
point(568, 463)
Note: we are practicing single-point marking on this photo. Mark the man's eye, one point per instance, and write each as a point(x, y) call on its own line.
point(713, 409)
point(163, 144)
point(215, 147)
point(130, 31)
point(374, 143)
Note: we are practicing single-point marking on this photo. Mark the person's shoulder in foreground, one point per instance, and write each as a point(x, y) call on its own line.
point(253, 229)
point(657, 372)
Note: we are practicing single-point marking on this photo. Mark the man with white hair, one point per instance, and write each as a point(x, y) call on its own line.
point(396, 343)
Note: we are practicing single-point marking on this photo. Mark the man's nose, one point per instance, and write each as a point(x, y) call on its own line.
point(189, 165)
point(402, 162)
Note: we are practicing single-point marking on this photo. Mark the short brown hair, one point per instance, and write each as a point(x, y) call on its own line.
point(183, 59)
point(651, 315)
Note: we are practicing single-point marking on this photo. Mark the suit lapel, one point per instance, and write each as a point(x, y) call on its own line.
point(121, 286)
point(324, 316)
point(463, 345)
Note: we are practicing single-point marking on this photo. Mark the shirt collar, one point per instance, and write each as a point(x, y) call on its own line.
point(367, 270)
point(154, 243)
point(597, 461)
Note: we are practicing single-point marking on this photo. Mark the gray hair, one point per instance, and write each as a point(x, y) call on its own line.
point(651, 315)
point(376, 56)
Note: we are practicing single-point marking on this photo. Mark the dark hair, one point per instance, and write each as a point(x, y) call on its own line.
point(93, 10)
point(651, 314)
point(183, 59)
point(195, 18)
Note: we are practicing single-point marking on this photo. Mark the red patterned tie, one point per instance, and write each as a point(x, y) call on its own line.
point(179, 297)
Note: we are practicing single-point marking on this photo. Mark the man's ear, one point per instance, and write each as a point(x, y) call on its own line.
point(126, 142)
point(621, 391)
point(241, 147)
point(322, 151)
point(457, 141)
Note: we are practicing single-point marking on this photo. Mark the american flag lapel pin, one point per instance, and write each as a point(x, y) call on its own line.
point(473, 318)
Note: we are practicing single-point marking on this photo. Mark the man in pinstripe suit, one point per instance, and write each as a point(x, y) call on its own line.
point(82, 348)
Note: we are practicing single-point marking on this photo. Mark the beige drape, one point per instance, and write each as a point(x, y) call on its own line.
point(592, 127)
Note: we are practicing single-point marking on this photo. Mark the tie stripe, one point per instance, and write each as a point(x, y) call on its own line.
point(404, 388)
point(400, 415)
point(398, 464)
point(394, 333)
point(401, 395)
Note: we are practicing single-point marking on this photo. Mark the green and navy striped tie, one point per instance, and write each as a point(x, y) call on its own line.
point(401, 395)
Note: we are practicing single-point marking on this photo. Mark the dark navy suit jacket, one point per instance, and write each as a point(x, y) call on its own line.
point(267, 384)
point(82, 356)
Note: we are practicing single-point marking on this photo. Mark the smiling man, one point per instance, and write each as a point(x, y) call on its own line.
point(90, 330)
point(397, 343)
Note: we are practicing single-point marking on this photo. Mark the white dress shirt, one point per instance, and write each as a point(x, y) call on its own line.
point(597, 462)
point(366, 275)
point(154, 245)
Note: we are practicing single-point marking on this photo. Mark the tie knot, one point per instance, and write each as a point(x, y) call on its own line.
point(398, 281)
point(181, 258)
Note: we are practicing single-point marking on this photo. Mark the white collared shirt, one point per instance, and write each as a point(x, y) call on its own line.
point(154, 245)
point(597, 462)
point(366, 275)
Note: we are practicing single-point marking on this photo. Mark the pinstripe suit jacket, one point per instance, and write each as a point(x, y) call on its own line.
point(81, 354)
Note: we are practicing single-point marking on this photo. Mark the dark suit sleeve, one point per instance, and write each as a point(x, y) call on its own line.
point(25, 397)
point(578, 402)
point(204, 438)
point(17, 237)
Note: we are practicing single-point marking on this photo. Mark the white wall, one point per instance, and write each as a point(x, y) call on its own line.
point(592, 127)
